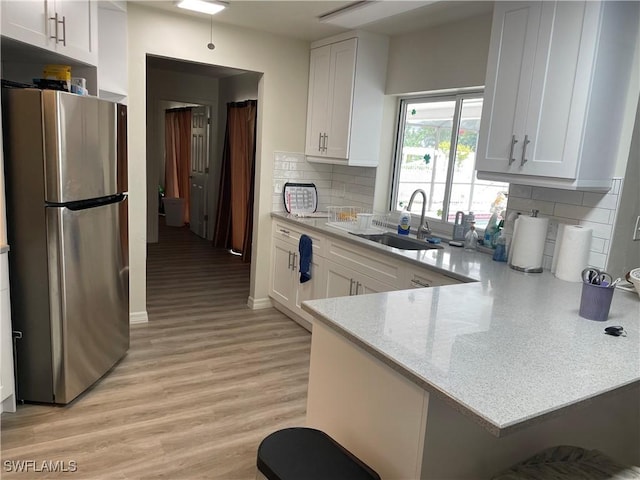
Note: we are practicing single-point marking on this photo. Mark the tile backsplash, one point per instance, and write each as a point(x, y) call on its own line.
point(337, 185)
point(594, 210)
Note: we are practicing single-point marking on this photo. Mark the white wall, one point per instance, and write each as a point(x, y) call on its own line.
point(453, 55)
point(444, 57)
point(282, 96)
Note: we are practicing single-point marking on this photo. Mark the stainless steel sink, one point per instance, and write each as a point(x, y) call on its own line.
point(398, 241)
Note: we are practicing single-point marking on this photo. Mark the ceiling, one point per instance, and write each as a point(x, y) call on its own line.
point(299, 19)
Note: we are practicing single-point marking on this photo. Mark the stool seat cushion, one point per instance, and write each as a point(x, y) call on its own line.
point(309, 454)
point(567, 462)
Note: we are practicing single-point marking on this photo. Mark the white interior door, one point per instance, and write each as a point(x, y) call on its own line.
point(199, 171)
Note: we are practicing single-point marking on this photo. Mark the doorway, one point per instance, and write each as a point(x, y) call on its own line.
point(173, 82)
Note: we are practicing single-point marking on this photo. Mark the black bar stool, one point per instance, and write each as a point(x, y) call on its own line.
point(309, 454)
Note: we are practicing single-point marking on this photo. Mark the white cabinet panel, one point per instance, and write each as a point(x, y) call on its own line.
point(7, 385)
point(343, 281)
point(416, 277)
point(557, 82)
point(66, 27)
point(26, 21)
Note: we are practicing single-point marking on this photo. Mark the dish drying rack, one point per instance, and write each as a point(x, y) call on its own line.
point(357, 220)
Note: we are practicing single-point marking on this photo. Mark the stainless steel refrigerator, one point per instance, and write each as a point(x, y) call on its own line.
point(66, 183)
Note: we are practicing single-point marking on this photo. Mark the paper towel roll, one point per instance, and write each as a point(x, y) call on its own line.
point(573, 253)
point(528, 243)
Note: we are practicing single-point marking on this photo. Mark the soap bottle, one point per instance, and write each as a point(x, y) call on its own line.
point(500, 253)
point(471, 238)
point(491, 229)
point(404, 222)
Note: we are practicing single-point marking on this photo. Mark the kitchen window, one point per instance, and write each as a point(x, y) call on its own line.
point(436, 152)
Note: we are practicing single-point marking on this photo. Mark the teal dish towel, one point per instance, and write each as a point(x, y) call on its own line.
point(305, 247)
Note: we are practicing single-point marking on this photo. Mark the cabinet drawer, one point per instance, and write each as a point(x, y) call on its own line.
point(364, 260)
point(291, 234)
point(415, 277)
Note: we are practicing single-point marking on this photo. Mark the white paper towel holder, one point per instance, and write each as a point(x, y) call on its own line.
point(534, 213)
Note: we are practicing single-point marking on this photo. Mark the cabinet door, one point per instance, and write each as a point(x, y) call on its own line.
point(282, 287)
point(508, 83)
point(78, 35)
point(556, 110)
point(340, 281)
point(314, 288)
point(343, 67)
point(366, 285)
point(317, 105)
point(26, 21)
point(424, 278)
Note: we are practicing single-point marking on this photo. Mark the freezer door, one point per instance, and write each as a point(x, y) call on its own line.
point(81, 147)
point(89, 291)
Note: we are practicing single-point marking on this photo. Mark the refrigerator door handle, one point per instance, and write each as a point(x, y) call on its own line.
point(91, 203)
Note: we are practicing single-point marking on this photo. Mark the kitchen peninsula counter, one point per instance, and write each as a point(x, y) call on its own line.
point(462, 381)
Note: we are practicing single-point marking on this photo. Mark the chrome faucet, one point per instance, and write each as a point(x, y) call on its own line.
point(423, 230)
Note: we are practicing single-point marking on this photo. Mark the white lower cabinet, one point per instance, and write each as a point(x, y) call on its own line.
point(7, 388)
point(286, 288)
point(343, 281)
point(416, 277)
point(338, 269)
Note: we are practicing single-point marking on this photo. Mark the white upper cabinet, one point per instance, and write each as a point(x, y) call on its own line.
point(112, 51)
point(346, 94)
point(557, 82)
point(66, 27)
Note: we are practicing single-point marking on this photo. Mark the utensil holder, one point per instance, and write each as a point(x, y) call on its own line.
point(595, 301)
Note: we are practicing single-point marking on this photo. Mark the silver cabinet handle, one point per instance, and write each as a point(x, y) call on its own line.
point(419, 284)
point(295, 261)
point(57, 22)
point(636, 232)
point(284, 232)
point(524, 150)
point(358, 284)
point(513, 144)
point(55, 27)
point(289, 263)
point(350, 286)
point(64, 31)
point(324, 144)
point(320, 141)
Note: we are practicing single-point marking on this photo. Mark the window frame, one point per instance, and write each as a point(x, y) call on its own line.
point(440, 224)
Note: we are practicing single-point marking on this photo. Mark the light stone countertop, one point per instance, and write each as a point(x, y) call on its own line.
point(4, 248)
point(508, 349)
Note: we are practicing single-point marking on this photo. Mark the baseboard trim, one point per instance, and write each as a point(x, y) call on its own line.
point(259, 303)
point(138, 317)
point(303, 322)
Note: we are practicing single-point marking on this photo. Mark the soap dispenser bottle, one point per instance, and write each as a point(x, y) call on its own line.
point(471, 238)
point(404, 222)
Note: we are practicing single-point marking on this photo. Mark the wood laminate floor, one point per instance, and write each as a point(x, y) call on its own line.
point(203, 382)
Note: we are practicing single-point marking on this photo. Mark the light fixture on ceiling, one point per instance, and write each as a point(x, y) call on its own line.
point(210, 7)
point(363, 12)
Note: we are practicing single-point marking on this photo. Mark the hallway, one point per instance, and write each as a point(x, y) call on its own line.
point(203, 382)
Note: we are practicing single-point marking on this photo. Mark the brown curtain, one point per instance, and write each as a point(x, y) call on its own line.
point(177, 137)
point(234, 223)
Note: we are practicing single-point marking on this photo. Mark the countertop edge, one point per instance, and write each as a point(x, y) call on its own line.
point(494, 429)
point(459, 406)
point(4, 248)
